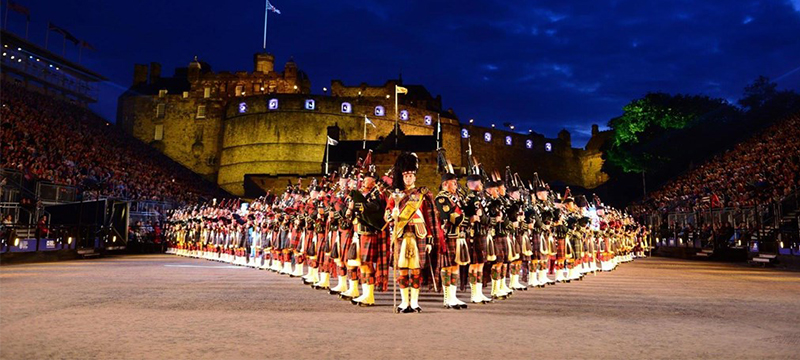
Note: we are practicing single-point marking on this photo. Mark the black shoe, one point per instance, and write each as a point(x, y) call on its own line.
point(333, 292)
point(462, 306)
point(354, 302)
point(417, 309)
point(345, 297)
point(405, 310)
point(365, 305)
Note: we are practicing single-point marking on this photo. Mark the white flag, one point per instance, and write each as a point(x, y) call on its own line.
point(332, 142)
point(366, 120)
point(272, 8)
point(400, 90)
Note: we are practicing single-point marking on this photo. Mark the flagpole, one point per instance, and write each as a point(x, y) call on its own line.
point(266, 14)
point(327, 153)
point(5, 19)
point(438, 130)
point(365, 133)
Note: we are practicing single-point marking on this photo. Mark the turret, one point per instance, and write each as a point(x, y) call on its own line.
point(263, 62)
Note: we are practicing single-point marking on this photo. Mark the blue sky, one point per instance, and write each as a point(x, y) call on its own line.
point(544, 65)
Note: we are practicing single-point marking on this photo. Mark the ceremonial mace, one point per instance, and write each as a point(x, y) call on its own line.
point(397, 195)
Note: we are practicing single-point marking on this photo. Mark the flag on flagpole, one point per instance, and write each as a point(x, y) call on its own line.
point(400, 90)
point(19, 8)
point(87, 45)
point(272, 8)
point(62, 31)
point(332, 142)
point(367, 121)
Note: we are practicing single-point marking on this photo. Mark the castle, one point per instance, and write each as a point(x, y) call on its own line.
point(260, 128)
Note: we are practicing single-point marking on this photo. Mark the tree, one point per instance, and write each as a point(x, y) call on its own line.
point(757, 94)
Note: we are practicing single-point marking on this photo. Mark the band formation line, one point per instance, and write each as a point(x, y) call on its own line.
point(357, 225)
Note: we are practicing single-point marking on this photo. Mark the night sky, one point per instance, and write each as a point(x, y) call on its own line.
point(544, 65)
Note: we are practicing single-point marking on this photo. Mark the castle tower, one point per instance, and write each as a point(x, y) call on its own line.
point(264, 63)
point(194, 70)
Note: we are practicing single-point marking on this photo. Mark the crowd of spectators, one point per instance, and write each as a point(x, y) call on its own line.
point(758, 171)
point(56, 141)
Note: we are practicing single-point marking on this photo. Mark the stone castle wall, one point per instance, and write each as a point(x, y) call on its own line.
point(228, 144)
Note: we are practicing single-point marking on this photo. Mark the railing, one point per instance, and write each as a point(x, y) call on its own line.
point(55, 193)
point(34, 238)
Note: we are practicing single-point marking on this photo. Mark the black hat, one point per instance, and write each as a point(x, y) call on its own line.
point(583, 221)
point(491, 184)
point(512, 189)
point(448, 177)
point(581, 201)
point(406, 162)
point(473, 177)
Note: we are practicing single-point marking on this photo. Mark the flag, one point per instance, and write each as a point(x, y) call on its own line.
point(400, 90)
point(366, 120)
point(332, 142)
point(87, 45)
point(62, 31)
point(272, 8)
point(19, 8)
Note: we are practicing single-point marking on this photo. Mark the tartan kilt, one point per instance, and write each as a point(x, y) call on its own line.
point(500, 248)
point(286, 241)
point(294, 242)
point(421, 249)
point(447, 256)
point(561, 249)
point(369, 248)
point(309, 247)
point(477, 250)
point(345, 240)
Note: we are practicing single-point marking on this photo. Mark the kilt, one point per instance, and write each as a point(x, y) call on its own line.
point(561, 249)
point(323, 258)
point(285, 240)
point(369, 248)
point(423, 253)
point(309, 246)
point(477, 249)
point(447, 256)
point(500, 248)
point(294, 242)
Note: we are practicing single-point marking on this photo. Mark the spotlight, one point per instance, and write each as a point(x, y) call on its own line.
point(388, 96)
point(512, 127)
point(492, 126)
point(530, 130)
point(295, 87)
point(471, 121)
point(69, 240)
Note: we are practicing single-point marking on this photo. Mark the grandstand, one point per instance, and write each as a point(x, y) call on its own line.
point(56, 152)
point(742, 204)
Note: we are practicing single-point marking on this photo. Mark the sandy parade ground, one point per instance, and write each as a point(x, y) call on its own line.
point(170, 307)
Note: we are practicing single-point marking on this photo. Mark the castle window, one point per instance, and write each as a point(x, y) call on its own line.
point(242, 107)
point(380, 111)
point(464, 133)
point(428, 119)
point(404, 115)
point(508, 140)
point(256, 88)
point(529, 144)
point(159, 135)
point(239, 90)
point(310, 104)
point(162, 93)
point(487, 136)
point(272, 104)
point(185, 94)
point(548, 147)
point(207, 93)
point(160, 110)
point(347, 108)
point(201, 112)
